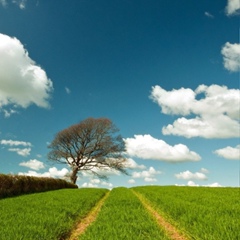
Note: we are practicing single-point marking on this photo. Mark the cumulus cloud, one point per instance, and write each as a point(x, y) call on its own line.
point(231, 56)
point(131, 181)
point(20, 3)
point(33, 164)
point(15, 146)
point(232, 153)
point(95, 183)
point(147, 147)
point(89, 185)
point(22, 82)
point(187, 175)
point(233, 7)
point(8, 113)
point(21, 151)
point(52, 172)
point(131, 164)
point(217, 113)
point(101, 172)
point(15, 143)
point(148, 179)
point(147, 175)
point(193, 184)
point(204, 170)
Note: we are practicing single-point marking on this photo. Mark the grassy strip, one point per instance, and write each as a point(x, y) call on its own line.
point(14, 185)
point(85, 222)
point(123, 217)
point(49, 215)
point(206, 213)
point(170, 230)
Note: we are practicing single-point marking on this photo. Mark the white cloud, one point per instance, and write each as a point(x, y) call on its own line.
point(3, 3)
point(131, 164)
point(187, 175)
point(193, 184)
point(147, 147)
point(217, 113)
point(52, 172)
point(20, 3)
point(15, 143)
point(22, 82)
point(204, 170)
point(229, 152)
point(33, 164)
point(95, 183)
point(107, 184)
point(147, 175)
point(68, 91)
point(95, 180)
point(231, 56)
point(8, 113)
point(208, 15)
point(233, 7)
point(89, 185)
point(216, 184)
point(148, 179)
point(21, 151)
point(175, 101)
point(103, 172)
point(131, 181)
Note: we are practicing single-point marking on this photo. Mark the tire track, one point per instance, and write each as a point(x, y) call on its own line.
point(171, 231)
point(85, 222)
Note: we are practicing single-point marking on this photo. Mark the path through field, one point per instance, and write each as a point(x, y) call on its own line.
point(84, 223)
point(171, 231)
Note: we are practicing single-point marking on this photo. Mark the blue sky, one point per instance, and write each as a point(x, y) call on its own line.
point(165, 72)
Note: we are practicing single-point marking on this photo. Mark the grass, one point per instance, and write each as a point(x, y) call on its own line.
point(123, 217)
point(199, 212)
point(205, 213)
point(49, 215)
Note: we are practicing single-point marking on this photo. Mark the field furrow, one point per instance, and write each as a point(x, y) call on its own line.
point(90, 218)
point(203, 213)
point(123, 217)
point(171, 231)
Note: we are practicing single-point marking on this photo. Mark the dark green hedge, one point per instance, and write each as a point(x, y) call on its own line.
point(13, 185)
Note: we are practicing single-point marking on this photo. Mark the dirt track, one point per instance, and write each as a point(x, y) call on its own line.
point(171, 231)
point(84, 223)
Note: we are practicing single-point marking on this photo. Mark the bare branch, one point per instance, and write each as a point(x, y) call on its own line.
point(88, 146)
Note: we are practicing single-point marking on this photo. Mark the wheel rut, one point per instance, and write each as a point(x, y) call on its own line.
point(85, 222)
point(171, 231)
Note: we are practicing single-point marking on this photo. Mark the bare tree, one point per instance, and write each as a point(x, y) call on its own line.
point(90, 145)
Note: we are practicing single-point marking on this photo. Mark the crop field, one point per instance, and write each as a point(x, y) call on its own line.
point(123, 217)
point(49, 215)
point(148, 212)
point(204, 213)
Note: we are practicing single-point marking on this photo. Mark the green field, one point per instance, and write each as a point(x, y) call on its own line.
point(200, 213)
point(123, 217)
point(204, 213)
point(49, 215)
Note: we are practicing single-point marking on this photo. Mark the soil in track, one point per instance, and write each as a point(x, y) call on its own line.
point(171, 231)
point(85, 222)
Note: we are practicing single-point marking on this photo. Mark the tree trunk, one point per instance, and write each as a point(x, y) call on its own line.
point(73, 176)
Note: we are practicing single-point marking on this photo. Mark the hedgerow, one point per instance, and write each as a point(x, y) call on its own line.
point(14, 185)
